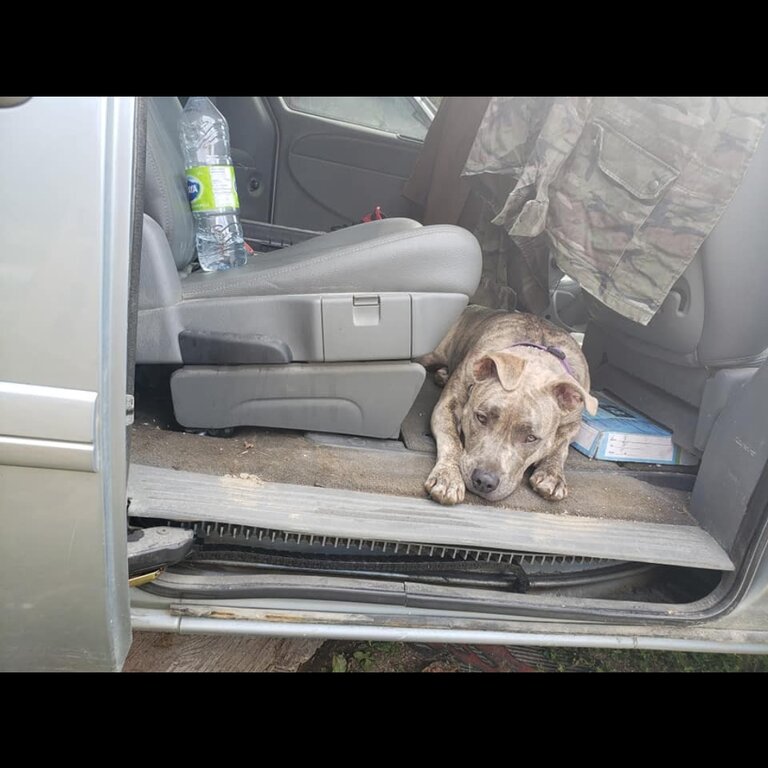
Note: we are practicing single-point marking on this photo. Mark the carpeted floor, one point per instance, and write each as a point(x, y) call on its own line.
point(596, 489)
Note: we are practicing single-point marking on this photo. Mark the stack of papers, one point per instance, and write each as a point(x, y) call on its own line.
point(619, 433)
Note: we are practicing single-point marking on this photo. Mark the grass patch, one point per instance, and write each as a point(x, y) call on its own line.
point(350, 656)
point(609, 660)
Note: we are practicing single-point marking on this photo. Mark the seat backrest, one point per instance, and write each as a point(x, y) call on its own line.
point(165, 196)
point(735, 272)
point(716, 314)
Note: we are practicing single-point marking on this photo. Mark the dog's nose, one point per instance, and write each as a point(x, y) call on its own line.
point(484, 482)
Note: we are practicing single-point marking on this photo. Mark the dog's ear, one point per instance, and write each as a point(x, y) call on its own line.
point(506, 367)
point(570, 395)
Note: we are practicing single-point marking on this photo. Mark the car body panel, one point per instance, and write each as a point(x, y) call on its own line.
point(67, 194)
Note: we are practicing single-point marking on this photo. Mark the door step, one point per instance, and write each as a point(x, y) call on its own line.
point(189, 496)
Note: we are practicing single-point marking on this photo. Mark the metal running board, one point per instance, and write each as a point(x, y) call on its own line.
point(190, 496)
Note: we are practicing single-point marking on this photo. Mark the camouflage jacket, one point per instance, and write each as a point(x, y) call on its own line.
point(625, 188)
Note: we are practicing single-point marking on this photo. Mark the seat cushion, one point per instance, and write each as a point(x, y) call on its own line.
point(165, 186)
point(381, 256)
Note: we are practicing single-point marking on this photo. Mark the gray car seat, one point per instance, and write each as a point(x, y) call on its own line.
point(711, 333)
point(317, 336)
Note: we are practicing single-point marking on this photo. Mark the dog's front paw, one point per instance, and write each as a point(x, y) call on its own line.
point(550, 485)
point(445, 485)
point(441, 376)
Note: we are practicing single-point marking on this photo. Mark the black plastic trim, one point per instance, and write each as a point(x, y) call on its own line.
point(215, 348)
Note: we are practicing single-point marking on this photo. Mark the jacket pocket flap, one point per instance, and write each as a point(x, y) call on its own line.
point(638, 171)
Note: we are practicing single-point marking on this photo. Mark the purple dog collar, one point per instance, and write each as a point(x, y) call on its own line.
point(556, 351)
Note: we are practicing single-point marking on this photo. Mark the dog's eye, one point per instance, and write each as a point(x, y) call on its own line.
point(531, 439)
point(481, 417)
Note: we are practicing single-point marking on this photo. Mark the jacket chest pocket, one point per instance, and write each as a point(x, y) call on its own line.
point(605, 191)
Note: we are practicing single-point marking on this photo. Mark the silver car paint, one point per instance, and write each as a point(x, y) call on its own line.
point(65, 203)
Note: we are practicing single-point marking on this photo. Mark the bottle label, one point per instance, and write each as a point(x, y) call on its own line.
point(211, 188)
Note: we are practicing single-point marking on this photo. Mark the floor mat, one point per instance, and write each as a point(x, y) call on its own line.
point(415, 431)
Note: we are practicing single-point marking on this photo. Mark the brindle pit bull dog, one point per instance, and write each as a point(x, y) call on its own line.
point(514, 390)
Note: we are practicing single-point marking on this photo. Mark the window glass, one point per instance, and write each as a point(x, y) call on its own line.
point(396, 114)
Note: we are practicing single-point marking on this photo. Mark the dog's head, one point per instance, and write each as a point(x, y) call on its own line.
point(510, 419)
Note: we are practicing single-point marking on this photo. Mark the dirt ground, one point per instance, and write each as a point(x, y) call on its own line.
point(166, 652)
point(156, 652)
point(338, 656)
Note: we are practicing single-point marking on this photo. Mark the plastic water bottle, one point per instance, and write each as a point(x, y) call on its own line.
point(211, 186)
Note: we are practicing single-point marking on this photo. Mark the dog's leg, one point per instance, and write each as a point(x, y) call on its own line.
point(445, 483)
point(430, 360)
point(548, 479)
